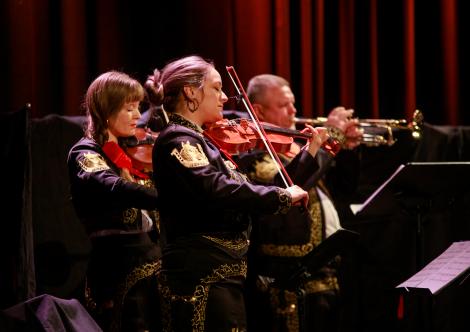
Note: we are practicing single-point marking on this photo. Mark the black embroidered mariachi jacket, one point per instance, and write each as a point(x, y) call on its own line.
point(206, 208)
point(124, 251)
point(102, 199)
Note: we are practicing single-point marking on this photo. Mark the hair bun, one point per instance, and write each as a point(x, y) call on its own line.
point(155, 88)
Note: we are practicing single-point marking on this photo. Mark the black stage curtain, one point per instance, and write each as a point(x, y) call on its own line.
point(44, 248)
point(17, 281)
point(61, 244)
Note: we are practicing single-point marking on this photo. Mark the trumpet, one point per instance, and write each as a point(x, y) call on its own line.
point(378, 132)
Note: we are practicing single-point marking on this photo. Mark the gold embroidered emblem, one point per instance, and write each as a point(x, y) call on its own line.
point(129, 216)
point(92, 162)
point(191, 156)
point(265, 170)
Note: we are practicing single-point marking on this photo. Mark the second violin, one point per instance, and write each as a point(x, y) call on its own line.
point(139, 149)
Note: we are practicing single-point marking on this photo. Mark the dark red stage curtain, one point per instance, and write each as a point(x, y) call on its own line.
point(382, 58)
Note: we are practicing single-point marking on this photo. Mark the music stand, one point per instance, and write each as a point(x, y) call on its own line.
point(338, 243)
point(415, 187)
point(450, 267)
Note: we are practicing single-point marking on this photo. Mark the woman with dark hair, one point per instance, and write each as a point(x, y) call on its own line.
point(117, 204)
point(206, 205)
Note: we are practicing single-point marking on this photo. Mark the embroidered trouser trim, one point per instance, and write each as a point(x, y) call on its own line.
point(198, 299)
point(139, 273)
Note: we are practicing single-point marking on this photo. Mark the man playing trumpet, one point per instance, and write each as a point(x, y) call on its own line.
point(279, 243)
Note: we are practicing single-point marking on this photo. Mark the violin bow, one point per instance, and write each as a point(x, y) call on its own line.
point(241, 92)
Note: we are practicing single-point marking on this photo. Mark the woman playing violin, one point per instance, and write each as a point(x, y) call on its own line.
point(116, 210)
point(206, 204)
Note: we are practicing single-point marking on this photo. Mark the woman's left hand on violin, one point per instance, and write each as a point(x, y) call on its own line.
point(139, 149)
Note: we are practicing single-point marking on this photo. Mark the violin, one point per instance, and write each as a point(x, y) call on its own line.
point(240, 135)
point(139, 149)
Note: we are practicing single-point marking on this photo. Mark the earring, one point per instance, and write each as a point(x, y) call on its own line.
point(192, 105)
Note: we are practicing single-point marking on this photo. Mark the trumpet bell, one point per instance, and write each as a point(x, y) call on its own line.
point(377, 132)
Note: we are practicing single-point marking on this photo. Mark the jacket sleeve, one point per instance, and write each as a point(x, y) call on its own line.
point(93, 176)
point(193, 167)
